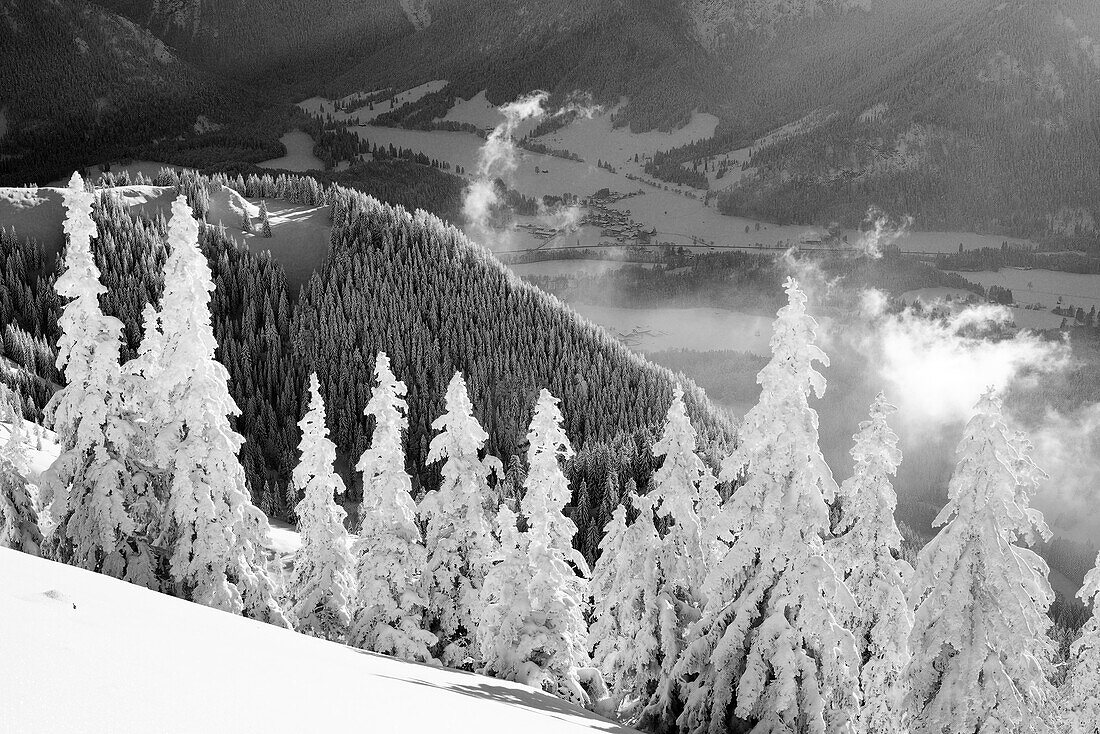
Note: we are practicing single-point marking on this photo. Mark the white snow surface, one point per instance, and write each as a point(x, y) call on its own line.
point(38, 460)
point(88, 653)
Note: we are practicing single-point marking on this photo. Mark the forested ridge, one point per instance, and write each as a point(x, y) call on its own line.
point(409, 283)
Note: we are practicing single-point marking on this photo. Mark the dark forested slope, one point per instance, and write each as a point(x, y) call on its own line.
point(79, 84)
point(405, 284)
point(275, 43)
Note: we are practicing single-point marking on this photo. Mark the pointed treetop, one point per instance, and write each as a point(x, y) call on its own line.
point(81, 276)
point(546, 435)
point(995, 473)
point(390, 411)
point(460, 429)
point(792, 345)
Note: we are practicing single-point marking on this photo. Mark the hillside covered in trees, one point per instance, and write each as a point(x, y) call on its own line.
point(436, 301)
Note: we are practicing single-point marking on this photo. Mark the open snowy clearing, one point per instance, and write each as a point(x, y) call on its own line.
point(573, 267)
point(477, 111)
point(595, 138)
point(699, 329)
point(1023, 317)
point(1042, 286)
point(94, 654)
point(299, 154)
point(322, 106)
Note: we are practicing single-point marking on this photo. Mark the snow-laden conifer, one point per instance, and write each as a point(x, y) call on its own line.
point(389, 556)
point(92, 527)
point(865, 552)
point(768, 651)
point(1081, 702)
point(140, 395)
point(551, 649)
point(682, 562)
point(19, 528)
point(321, 590)
point(625, 632)
point(459, 536)
point(980, 650)
point(217, 538)
point(505, 602)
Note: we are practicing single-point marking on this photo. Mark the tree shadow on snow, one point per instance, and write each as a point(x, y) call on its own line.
point(543, 703)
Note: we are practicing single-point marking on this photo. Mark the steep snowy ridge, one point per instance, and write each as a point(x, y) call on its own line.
point(93, 654)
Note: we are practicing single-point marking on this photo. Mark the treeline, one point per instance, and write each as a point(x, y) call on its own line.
point(420, 114)
point(441, 304)
point(990, 258)
point(672, 172)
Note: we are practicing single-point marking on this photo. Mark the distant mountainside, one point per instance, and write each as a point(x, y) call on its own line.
point(962, 113)
point(972, 114)
point(646, 50)
point(78, 82)
point(275, 43)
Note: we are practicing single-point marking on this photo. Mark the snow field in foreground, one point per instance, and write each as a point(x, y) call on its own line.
point(81, 652)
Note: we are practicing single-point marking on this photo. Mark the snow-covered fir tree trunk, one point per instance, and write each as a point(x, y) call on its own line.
point(682, 562)
point(548, 648)
point(459, 537)
point(1081, 702)
point(768, 653)
point(321, 591)
point(389, 557)
point(625, 632)
point(90, 482)
point(980, 650)
point(217, 538)
point(864, 551)
point(19, 529)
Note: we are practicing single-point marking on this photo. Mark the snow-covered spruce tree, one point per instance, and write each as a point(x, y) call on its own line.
point(505, 602)
point(865, 552)
point(216, 538)
point(1081, 702)
point(459, 536)
point(682, 561)
point(389, 557)
point(548, 649)
point(265, 220)
point(19, 529)
point(980, 650)
point(768, 653)
point(140, 379)
point(625, 630)
point(90, 482)
point(321, 590)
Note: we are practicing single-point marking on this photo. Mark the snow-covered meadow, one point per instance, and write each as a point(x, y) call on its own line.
point(94, 654)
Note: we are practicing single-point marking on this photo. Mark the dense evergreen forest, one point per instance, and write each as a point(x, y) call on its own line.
point(436, 303)
point(81, 85)
point(283, 44)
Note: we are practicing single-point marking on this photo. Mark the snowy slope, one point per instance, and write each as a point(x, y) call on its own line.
point(38, 460)
point(80, 652)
